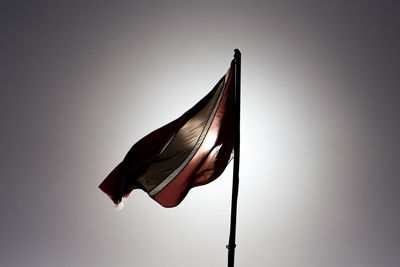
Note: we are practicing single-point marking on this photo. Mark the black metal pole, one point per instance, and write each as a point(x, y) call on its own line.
point(235, 185)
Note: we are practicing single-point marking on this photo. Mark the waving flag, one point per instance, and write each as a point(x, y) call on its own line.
point(190, 151)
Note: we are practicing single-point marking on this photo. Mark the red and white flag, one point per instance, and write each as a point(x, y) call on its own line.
point(190, 151)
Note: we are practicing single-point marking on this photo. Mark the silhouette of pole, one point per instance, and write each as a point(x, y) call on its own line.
point(235, 184)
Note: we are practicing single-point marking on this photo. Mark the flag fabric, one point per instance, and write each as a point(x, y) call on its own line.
point(190, 151)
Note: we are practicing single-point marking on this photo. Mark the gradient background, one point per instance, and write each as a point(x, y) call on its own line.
point(81, 81)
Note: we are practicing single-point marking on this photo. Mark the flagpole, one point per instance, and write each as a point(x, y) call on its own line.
point(235, 184)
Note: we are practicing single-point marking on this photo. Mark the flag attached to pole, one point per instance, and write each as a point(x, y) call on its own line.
point(190, 151)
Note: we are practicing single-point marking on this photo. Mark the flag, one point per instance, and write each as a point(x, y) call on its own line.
point(190, 151)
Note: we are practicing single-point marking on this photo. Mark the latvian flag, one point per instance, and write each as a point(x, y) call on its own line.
point(190, 151)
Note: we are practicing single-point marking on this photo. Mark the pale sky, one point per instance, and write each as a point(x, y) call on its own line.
point(82, 81)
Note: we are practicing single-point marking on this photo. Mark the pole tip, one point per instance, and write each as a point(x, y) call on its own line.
point(237, 55)
point(237, 52)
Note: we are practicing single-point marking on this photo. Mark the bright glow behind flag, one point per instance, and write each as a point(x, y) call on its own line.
point(190, 151)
